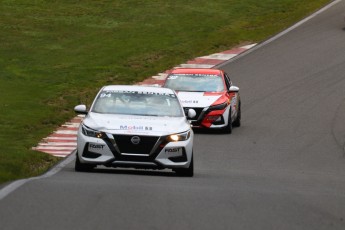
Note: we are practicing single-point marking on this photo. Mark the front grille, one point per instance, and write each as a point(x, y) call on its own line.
point(144, 147)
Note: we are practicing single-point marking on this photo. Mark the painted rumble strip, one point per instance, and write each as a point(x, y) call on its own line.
point(63, 141)
point(209, 61)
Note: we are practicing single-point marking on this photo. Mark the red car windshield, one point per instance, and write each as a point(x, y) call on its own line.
point(195, 82)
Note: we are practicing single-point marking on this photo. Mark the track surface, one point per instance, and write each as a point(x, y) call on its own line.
point(283, 169)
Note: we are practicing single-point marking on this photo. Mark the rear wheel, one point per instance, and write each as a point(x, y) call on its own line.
point(82, 167)
point(186, 172)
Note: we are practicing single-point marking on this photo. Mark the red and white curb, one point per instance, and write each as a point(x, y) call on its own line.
point(209, 61)
point(63, 141)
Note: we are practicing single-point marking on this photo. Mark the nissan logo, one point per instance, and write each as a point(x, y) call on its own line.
point(135, 140)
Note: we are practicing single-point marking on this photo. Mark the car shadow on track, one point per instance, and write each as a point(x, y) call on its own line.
point(211, 131)
point(140, 172)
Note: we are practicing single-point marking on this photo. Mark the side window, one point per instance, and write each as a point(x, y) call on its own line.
point(227, 81)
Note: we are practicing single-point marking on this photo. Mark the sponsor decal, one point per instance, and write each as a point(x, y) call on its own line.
point(197, 99)
point(135, 127)
point(190, 101)
point(110, 92)
point(95, 146)
point(173, 150)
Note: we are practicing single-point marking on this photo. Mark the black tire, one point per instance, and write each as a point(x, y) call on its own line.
point(186, 172)
point(237, 122)
point(228, 128)
point(81, 167)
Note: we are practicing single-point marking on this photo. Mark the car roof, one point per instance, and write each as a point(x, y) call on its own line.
point(196, 71)
point(153, 89)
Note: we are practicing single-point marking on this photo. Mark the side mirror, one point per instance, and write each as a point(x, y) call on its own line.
point(191, 113)
point(234, 89)
point(80, 109)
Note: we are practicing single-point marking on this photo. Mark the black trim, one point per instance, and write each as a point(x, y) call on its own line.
point(217, 107)
point(178, 159)
point(88, 154)
point(144, 146)
point(221, 122)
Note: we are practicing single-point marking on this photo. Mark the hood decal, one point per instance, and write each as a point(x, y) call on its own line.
point(197, 99)
point(127, 124)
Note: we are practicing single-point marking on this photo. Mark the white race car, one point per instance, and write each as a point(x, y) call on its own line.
point(138, 127)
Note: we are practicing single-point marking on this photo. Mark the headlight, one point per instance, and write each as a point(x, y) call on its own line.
point(179, 136)
point(91, 132)
point(219, 107)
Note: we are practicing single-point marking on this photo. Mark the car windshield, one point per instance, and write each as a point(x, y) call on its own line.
point(195, 82)
point(137, 103)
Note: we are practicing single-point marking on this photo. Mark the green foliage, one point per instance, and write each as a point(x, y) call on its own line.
point(56, 54)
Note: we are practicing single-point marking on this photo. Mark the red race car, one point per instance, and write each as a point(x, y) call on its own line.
point(211, 94)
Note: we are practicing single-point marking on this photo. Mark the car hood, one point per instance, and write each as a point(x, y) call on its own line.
point(198, 99)
point(130, 124)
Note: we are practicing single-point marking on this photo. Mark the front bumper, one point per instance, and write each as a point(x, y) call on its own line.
point(117, 151)
point(213, 119)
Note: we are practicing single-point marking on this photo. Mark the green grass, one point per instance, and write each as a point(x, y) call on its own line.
point(56, 54)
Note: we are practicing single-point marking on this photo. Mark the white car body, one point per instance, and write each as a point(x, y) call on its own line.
point(127, 139)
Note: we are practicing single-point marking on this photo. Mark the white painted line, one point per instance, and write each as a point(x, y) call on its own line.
point(16, 184)
point(249, 46)
point(61, 155)
point(61, 138)
point(219, 56)
point(11, 187)
point(54, 148)
point(195, 66)
point(66, 132)
point(58, 144)
point(57, 152)
point(152, 85)
point(163, 74)
point(71, 125)
point(160, 76)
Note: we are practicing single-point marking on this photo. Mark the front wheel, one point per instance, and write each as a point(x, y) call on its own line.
point(81, 167)
point(186, 172)
point(228, 128)
point(237, 122)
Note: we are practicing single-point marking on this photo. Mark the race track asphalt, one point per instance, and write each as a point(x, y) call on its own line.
point(284, 168)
